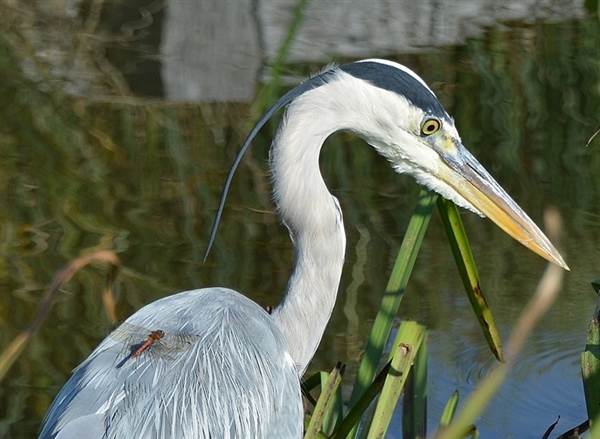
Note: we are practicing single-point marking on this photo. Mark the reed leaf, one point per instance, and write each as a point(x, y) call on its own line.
point(328, 397)
point(405, 348)
point(269, 94)
point(449, 409)
point(537, 306)
point(465, 262)
point(414, 405)
point(393, 294)
point(12, 352)
point(590, 371)
point(354, 416)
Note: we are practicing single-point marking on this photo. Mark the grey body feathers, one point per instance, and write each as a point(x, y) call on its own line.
point(222, 393)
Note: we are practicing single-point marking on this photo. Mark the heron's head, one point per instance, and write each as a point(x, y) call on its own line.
point(402, 118)
point(395, 111)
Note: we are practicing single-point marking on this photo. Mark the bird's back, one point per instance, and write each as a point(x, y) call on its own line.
point(219, 369)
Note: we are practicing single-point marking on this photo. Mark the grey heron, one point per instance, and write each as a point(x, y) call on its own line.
point(218, 365)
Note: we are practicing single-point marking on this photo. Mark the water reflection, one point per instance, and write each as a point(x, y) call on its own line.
point(544, 384)
point(81, 174)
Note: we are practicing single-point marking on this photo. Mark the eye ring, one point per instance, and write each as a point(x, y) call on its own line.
point(430, 126)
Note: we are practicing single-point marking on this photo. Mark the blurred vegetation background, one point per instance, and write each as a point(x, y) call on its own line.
point(92, 157)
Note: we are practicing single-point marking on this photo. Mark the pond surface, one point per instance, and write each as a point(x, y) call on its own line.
point(107, 168)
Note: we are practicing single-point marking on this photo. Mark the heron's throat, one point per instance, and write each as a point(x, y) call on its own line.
point(314, 220)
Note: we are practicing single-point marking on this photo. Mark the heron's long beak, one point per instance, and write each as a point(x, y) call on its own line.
point(467, 177)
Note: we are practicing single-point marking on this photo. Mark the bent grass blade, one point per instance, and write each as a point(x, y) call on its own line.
point(465, 262)
point(14, 349)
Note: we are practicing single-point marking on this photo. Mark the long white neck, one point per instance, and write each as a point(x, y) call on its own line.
point(314, 219)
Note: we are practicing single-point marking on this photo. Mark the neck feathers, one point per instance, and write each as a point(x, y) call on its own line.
point(314, 220)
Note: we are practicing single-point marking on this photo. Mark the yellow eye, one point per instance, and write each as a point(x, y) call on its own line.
point(430, 126)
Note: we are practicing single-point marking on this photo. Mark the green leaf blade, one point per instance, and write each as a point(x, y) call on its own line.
point(465, 262)
point(406, 345)
point(394, 293)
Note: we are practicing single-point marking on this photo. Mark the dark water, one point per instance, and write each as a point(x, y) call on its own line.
point(143, 178)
